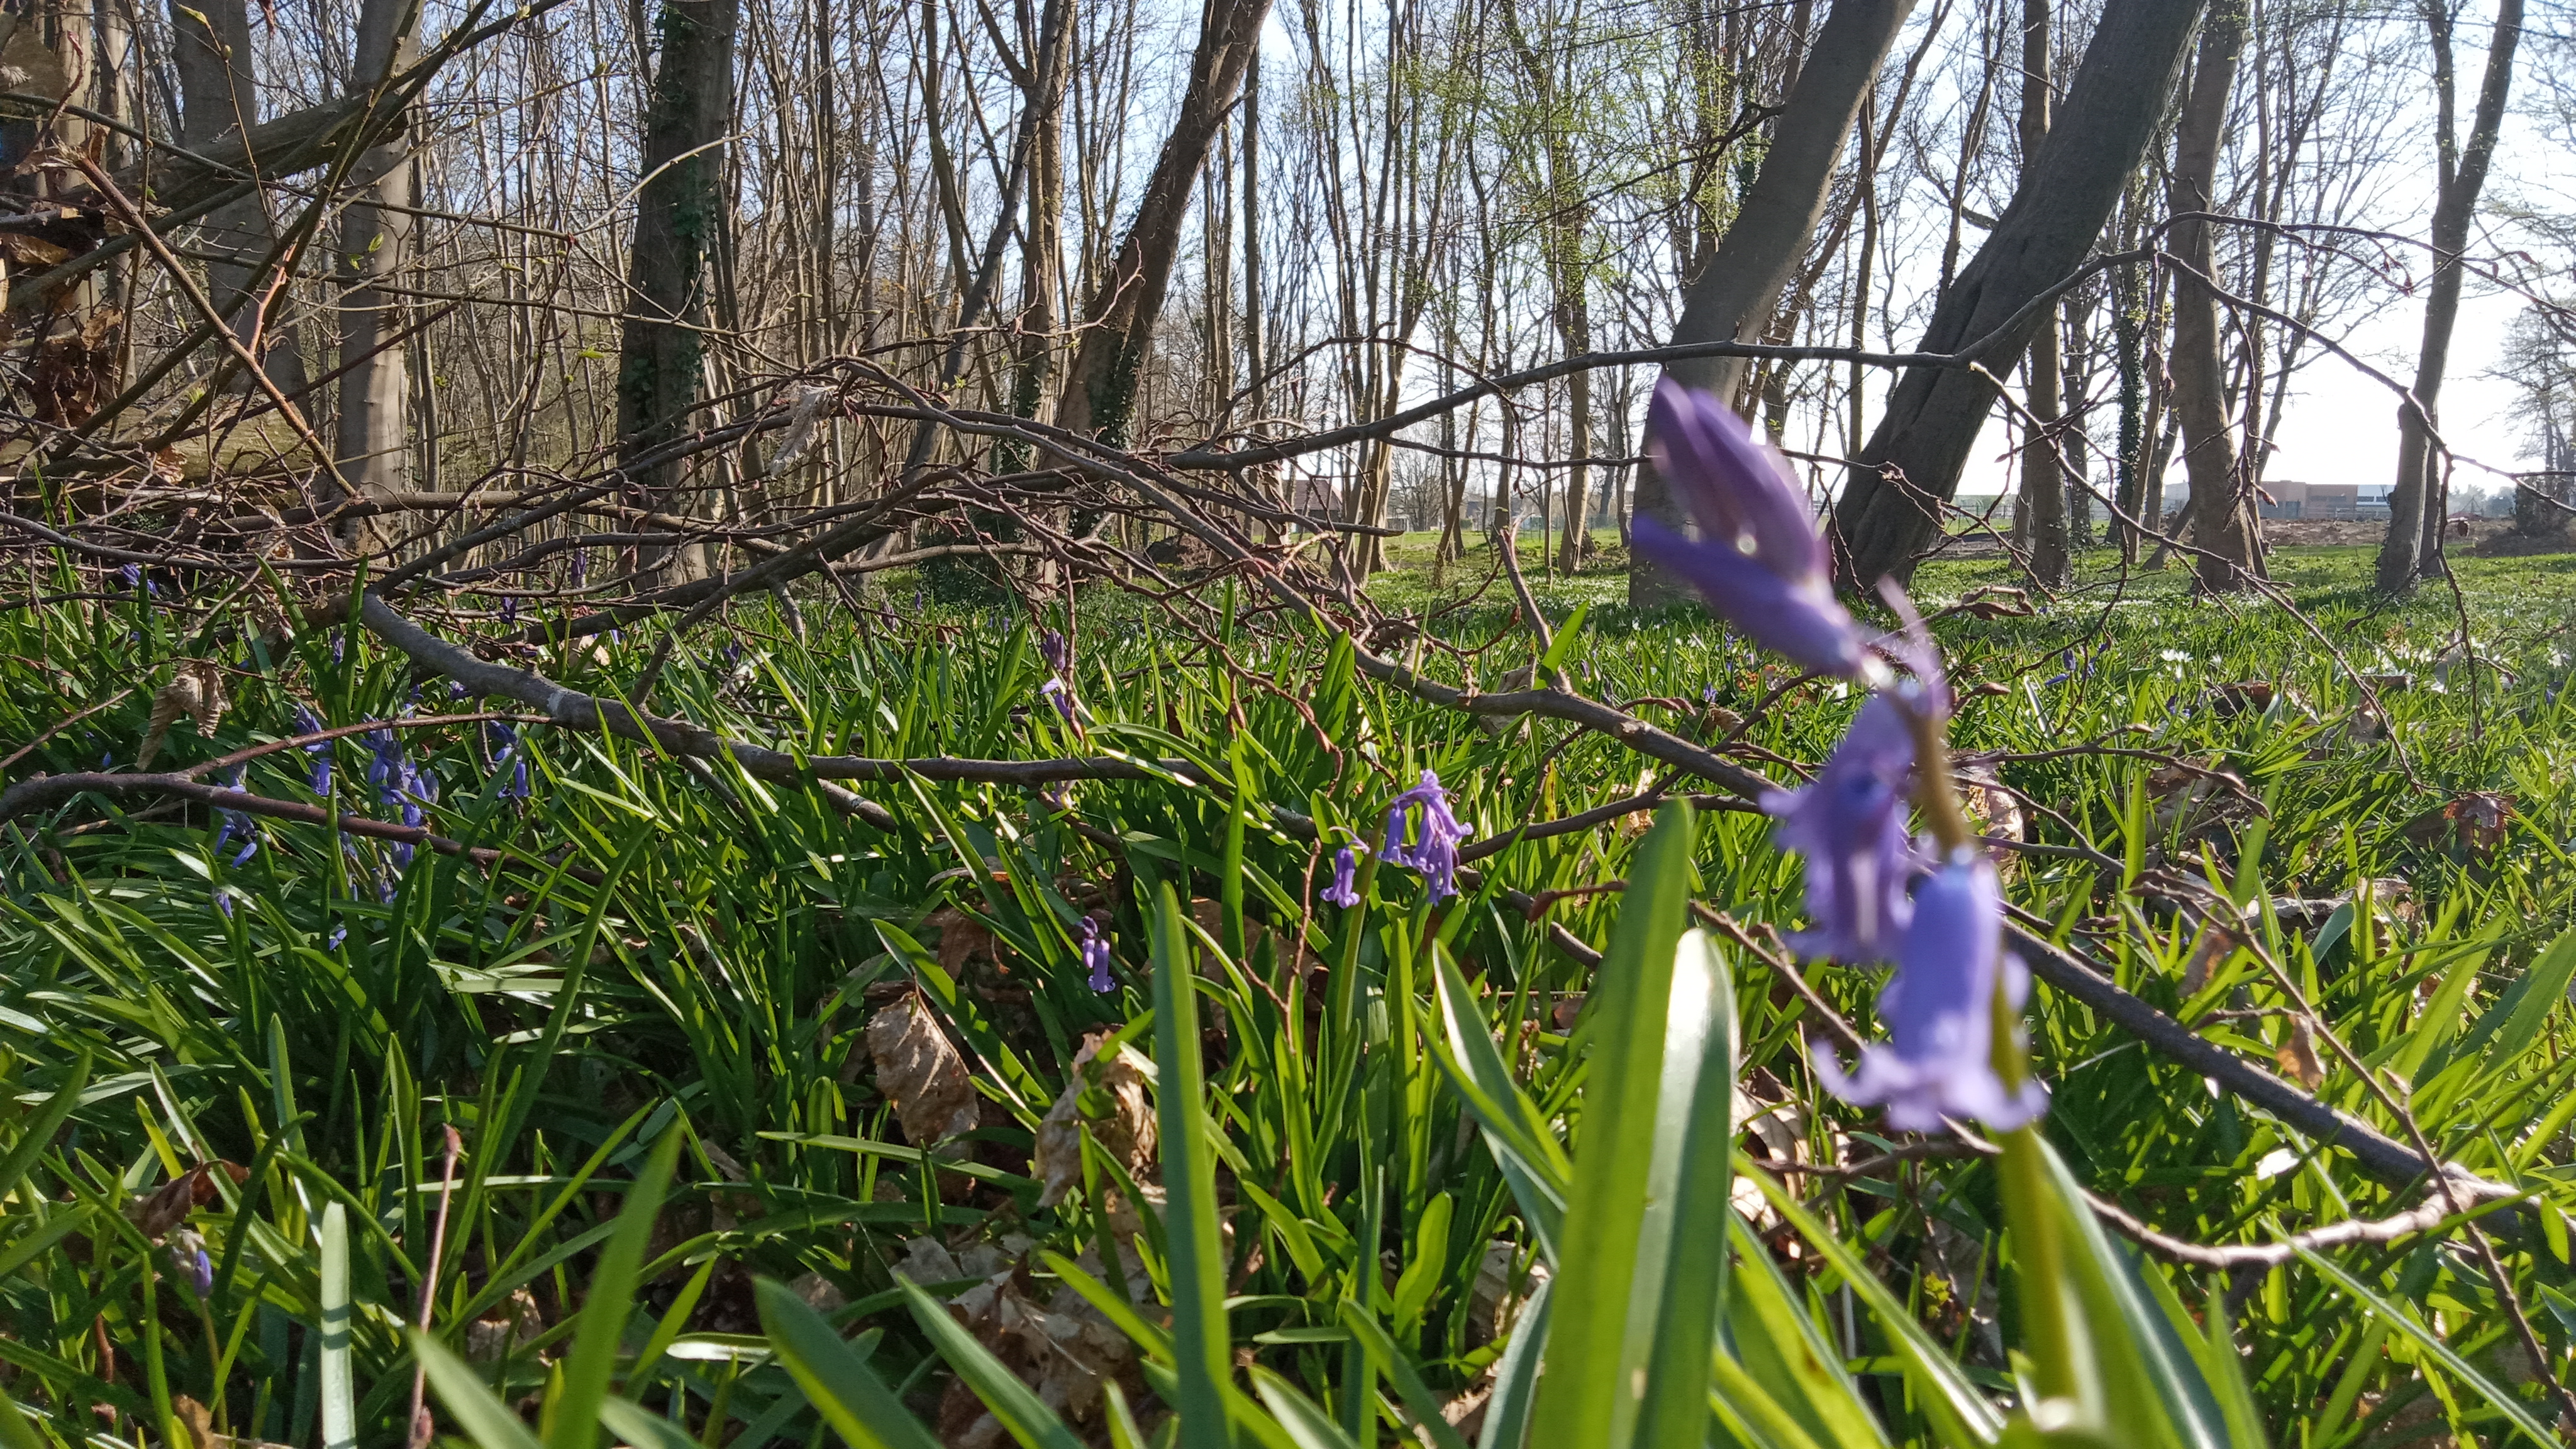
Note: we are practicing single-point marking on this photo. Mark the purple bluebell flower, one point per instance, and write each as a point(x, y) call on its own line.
point(1055, 651)
point(1940, 1012)
point(1434, 849)
point(503, 741)
point(229, 823)
point(1850, 824)
point(332, 941)
point(1059, 694)
point(387, 769)
point(456, 689)
point(308, 723)
point(132, 574)
point(224, 901)
point(1344, 891)
point(509, 609)
point(1760, 562)
point(340, 645)
point(190, 1250)
point(1095, 956)
point(580, 566)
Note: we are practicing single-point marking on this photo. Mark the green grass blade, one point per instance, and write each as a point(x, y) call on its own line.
point(339, 1388)
point(1682, 1248)
point(836, 1380)
point(2442, 1353)
point(38, 1134)
point(1507, 1413)
point(1200, 1345)
point(1419, 1401)
point(487, 1421)
point(1013, 1404)
point(1307, 1425)
point(1590, 1396)
point(573, 1417)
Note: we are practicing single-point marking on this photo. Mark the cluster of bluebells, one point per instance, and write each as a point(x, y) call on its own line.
point(317, 751)
point(399, 784)
point(1762, 566)
point(502, 741)
point(1423, 813)
point(232, 824)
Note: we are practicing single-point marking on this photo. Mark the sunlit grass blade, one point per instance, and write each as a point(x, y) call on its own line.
point(1507, 1413)
point(1592, 1389)
point(573, 1417)
point(2502, 1401)
point(1682, 1248)
point(836, 1380)
point(1197, 1259)
point(487, 1421)
point(1012, 1403)
point(1305, 1424)
point(339, 1387)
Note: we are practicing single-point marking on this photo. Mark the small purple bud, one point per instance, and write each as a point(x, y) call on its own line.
point(1059, 694)
point(132, 574)
point(1057, 653)
point(509, 608)
point(1095, 956)
point(1759, 563)
point(339, 645)
point(1434, 849)
point(332, 941)
point(1344, 891)
point(1940, 1012)
point(224, 901)
point(1851, 825)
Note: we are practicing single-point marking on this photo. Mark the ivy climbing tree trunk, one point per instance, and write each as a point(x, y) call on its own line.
point(680, 211)
point(1099, 391)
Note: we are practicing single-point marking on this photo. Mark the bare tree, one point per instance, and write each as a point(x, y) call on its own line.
point(2413, 548)
point(376, 234)
point(2222, 517)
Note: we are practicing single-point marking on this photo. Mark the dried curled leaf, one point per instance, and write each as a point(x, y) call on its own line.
point(920, 1073)
point(1109, 1098)
point(182, 695)
point(2298, 1056)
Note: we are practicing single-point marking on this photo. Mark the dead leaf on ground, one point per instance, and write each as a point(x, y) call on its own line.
point(163, 1209)
point(920, 1073)
point(503, 1327)
point(2216, 944)
point(2476, 821)
point(2298, 1056)
point(961, 939)
point(1109, 1098)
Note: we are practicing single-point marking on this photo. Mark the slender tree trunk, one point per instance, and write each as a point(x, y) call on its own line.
point(375, 455)
point(2043, 480)
point(679, 212)
point(1099, 391)
point(1042, 245)
point(2415, 506)
point(1733, 296)
point(1888, 513)
point(2219, 522)
point(216, 61)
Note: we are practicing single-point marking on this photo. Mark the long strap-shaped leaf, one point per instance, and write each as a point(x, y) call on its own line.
point(2458, 1367)
point(836, 1380)
point(1201, 1348)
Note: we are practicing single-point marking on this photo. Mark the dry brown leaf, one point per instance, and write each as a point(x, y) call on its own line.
point(920, 1073)
point(1994, 809)
point(168, 1206)
point(2298, 1056)
point(513, 1322)
point(961, 939)
point(182, 695)
point(33, 251)
point(1120, 1119)
point(193, 1418)
point(2215, 944)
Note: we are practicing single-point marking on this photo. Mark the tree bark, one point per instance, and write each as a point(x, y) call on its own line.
point(1733, 296)
point(2413, 548)
point(1888, 513)
point(2043, 479)
point(1099, 391)
point(375, 246)
point(679, 211)
point(215, 58)
point(2209, 457)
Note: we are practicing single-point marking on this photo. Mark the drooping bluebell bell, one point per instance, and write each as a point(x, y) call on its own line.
point(503, 742)
point(1434, 847)
point(580, 566)
point(1053, 649)
point(1760, 563)
point(1344, 891)
point(1940, 1012)
point(1060, 694)
point(132, 574)
point(1095, 956)
point(1851, 825)
point(509, 609)
point(190, 1250)
point(229, 823)
point(387, 768)
point(319, 751)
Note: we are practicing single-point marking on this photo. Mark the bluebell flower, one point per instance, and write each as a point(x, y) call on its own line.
point(456, 689)
point(1055, 651)
point(580, 566)
point(308, 723)
point(1940, 1012)
point(503, 741)
point(509, 608)
point(1851, 824)
point(132, 574)
point(229, 823)
point(190, 1250)
point(1059, 694)
point(332, 941)
point(1760, 562)
point(1434, 848)
point(224, 901)
point(340, 644)
point(1095, 956)
point(1344, 891)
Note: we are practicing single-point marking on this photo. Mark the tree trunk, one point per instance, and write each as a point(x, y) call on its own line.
point(2219, 522)
point(2043, 480)
point(1733, 296)
point(1099, 392)
point(375, 454)
point(2414, 545)
point(1042, 245)
point(215, 58)
point(1888, 513)
point(670, 274)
